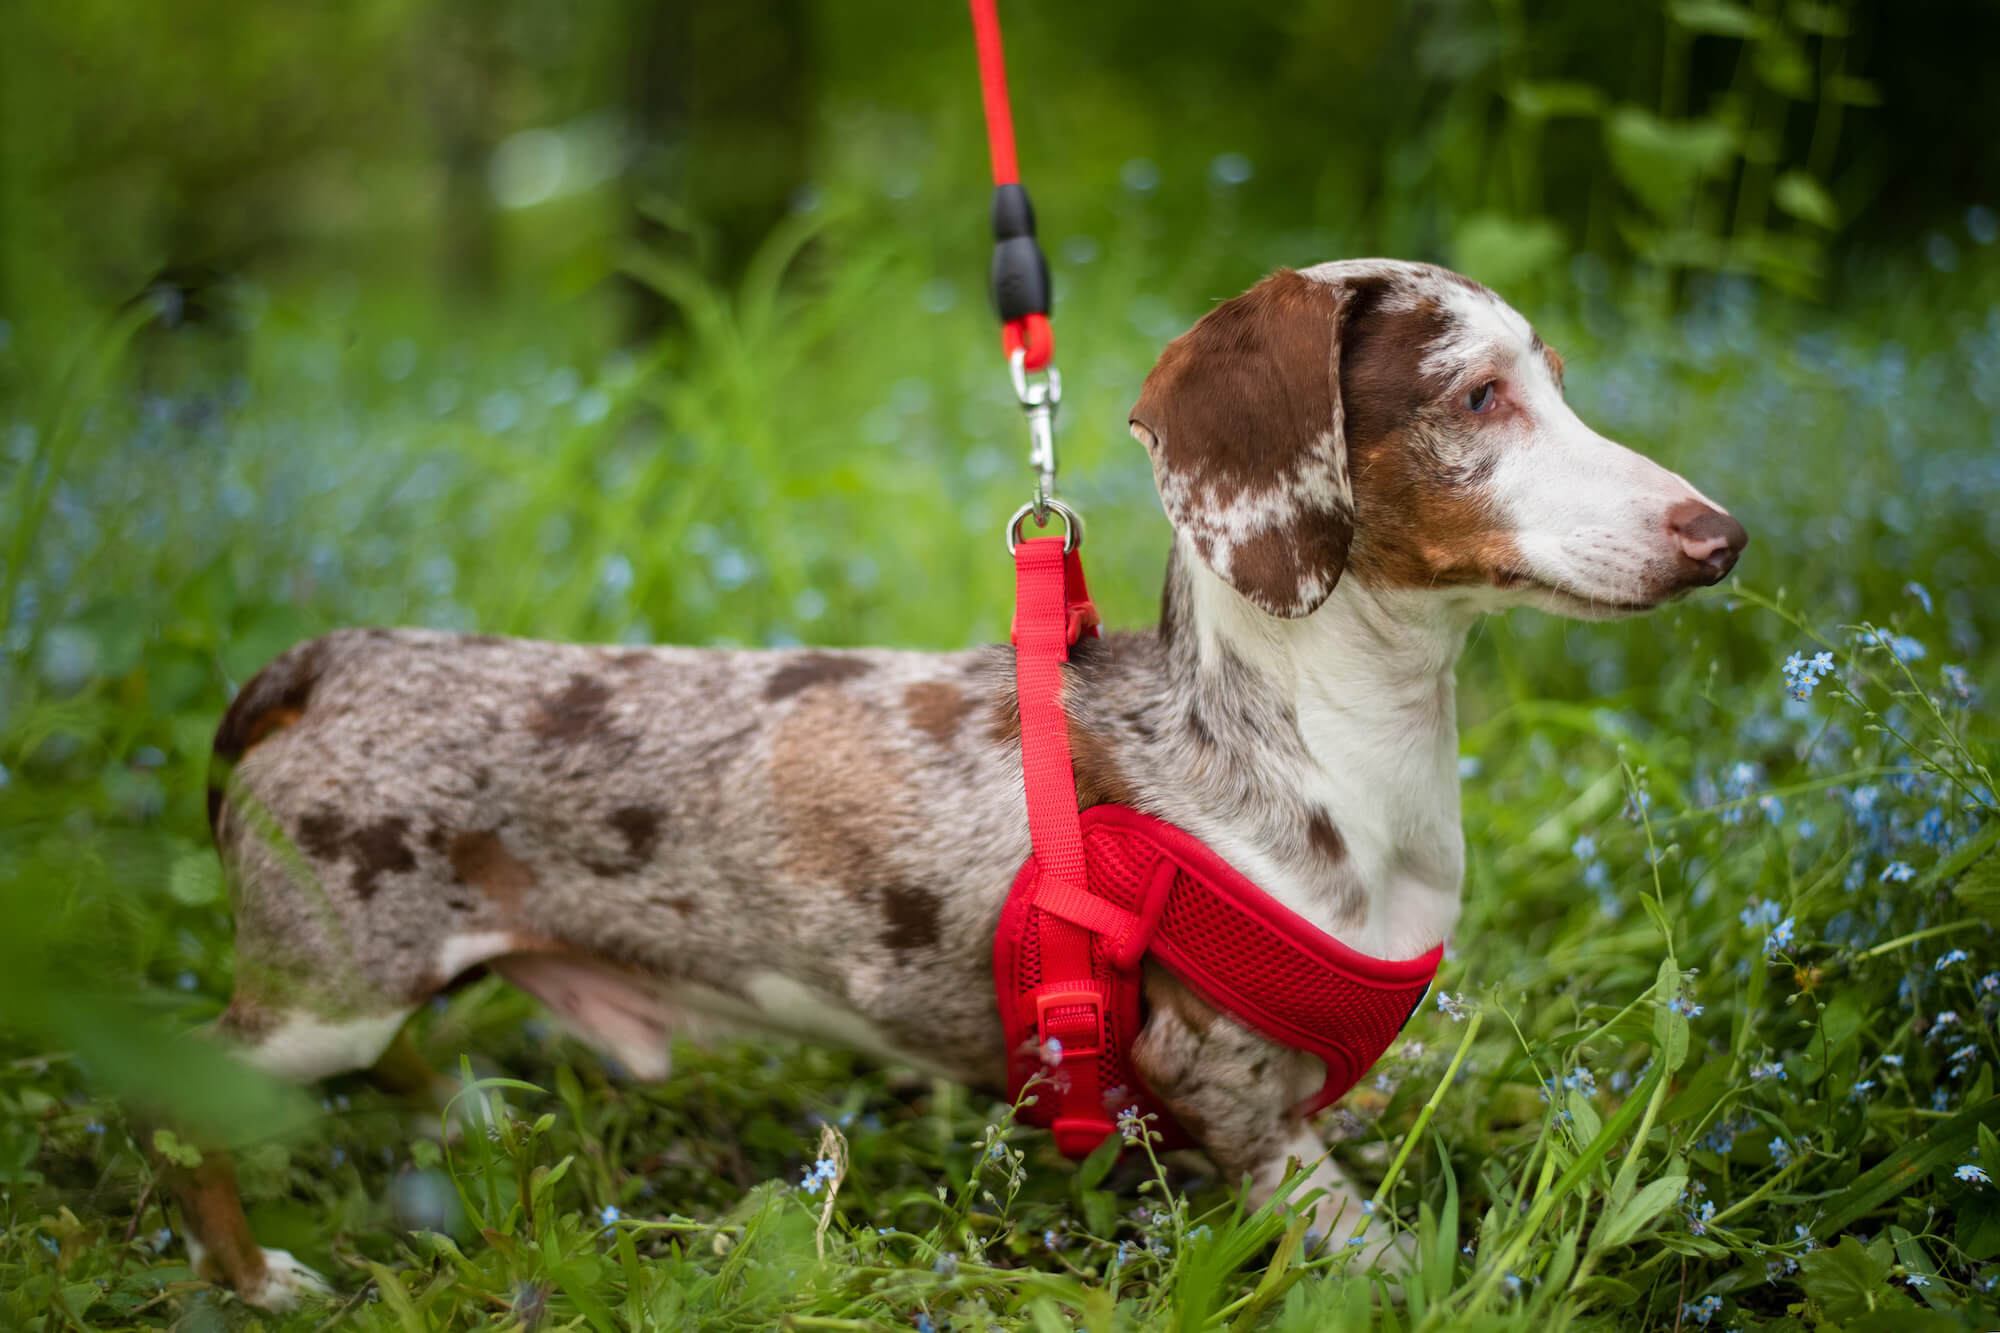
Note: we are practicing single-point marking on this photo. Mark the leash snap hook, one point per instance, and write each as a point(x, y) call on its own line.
point(1039, 400)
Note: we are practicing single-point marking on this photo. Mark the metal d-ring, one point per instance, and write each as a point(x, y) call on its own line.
point(1072, 523)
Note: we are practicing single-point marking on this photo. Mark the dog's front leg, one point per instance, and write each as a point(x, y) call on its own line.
point(1235, 1091)
point(219, 1244)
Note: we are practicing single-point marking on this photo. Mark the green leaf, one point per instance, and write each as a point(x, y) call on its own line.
point(1441, 1250)
point(1703, 1089)
point(1606, 1291)
point(1549, 98)
point(1943, 1146)
point(1583, 1116)
point(196, 878)
point(1820, 20)
point(1846, 1279)
point(1663, 162)
point(1277, 1277)
point(1503, 251)
point(396, 1299)
point(1979, 887)
point(1977, 1229)
point(1782, 64)
point(1100, 1212)
point(1048, 1318)
point(1798, 194)
point(1091, 1171)
point(168, 1145)
point(1715, 18)
point(1670, 1026)
point(1640, 1209)
point(80, 1296)
point(1852, 90)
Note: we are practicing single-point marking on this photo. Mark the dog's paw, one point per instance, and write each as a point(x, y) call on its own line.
point(286, 1285)
point(1389, 1257)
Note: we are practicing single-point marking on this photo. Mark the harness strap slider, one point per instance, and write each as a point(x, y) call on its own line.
point(1074, 1016)
point(1126, 934)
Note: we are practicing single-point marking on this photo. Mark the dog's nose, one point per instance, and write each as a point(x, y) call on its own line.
point(1709, 540)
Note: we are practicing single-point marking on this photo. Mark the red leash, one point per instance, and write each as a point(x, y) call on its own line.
point(1104, 890)
point(1020, 273)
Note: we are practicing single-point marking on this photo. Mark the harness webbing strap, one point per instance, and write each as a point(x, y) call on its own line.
point(1041, 645)
point(1051, 610)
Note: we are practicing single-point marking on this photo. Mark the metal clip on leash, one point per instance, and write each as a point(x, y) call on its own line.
point(1021, 290)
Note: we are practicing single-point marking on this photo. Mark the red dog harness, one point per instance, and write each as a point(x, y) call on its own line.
point(1105, 889)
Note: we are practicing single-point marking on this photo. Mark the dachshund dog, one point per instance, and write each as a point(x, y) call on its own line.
point(1358, 460)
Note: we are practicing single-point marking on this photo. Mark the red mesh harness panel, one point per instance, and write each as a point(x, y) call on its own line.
point(1105, 889)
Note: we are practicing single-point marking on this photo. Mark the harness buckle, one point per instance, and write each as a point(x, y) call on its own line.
point(1074, 1016)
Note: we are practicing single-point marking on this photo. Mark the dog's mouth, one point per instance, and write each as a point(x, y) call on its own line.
point(1520, 580)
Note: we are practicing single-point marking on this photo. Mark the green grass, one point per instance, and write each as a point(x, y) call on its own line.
point(1654, 1096)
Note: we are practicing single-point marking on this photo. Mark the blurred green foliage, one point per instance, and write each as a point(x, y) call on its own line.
point(462, 315)
point(475, 150)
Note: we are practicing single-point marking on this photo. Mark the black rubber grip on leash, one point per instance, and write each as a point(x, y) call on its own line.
point(1020, 273)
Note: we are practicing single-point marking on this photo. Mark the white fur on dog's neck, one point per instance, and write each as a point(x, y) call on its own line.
point(1370, 678)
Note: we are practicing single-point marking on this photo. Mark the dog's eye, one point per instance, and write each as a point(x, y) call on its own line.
point(1482, 398)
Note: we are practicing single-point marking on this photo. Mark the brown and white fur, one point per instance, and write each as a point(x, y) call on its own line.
point(1358, 460)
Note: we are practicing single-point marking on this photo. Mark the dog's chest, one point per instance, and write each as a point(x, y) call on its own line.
point(1389, 779)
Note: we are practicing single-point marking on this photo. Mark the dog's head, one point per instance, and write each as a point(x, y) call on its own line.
point(1403, 426)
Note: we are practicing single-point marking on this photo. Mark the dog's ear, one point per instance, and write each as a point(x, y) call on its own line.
point(1242, 417)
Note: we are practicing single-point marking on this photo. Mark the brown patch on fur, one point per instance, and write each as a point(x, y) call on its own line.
point(320, 833)
point(375, 849)
point(1423, 525)
point(269, 702)
point(212, 1213)
point(912, 916)
point(277, 719)
point(576, 714)
point(809, 669)
point(482, 860)
point(1324, 838)
point(273, 699)
point(640, 826)
point(842, 797)
point(936, 708)
point(1003, 718)
point(1099, 779)
point(1244, 408)
point(1550, 358)
point(379, 849)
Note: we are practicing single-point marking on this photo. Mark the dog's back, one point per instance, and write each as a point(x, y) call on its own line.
point(758, 837)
